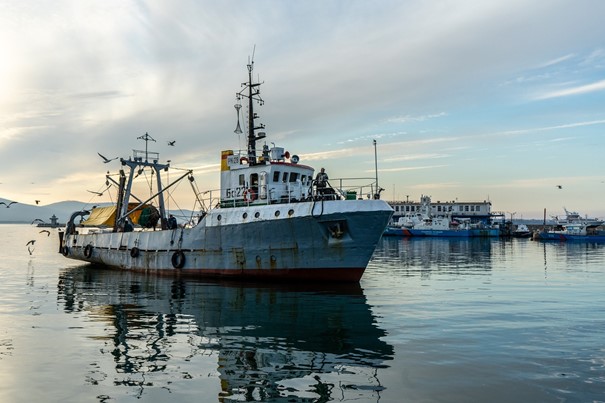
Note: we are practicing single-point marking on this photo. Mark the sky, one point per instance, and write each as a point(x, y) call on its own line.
point(469, 101)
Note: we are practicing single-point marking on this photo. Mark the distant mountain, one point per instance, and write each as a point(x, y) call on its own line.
point(26, 213)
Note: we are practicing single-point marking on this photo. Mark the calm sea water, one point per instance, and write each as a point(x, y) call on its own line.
point(433, 320)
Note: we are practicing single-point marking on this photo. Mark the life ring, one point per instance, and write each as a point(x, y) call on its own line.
point(65, 250)
point(249, 195)
point(88, 251)
point(134, 252)
point(178, 259)
point(243, 159)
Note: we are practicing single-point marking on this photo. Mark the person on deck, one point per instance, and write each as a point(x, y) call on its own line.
point(172, 222)
point(128, 227)
point(321, 180)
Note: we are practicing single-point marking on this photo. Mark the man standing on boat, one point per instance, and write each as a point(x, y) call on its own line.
point(321, 181)
point(172, 222)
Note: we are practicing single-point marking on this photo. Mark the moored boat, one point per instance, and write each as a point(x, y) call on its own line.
point(521, 231)
point(430, 226)
point(572, 232)
point(573, 217)
point(270, 219)
point(424, 222)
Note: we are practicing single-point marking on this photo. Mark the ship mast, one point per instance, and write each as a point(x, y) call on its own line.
point(253, 94)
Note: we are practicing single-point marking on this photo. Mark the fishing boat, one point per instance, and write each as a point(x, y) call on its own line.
point(573, 217)
point(429, 226)
point(572, 232)
point(269, 220)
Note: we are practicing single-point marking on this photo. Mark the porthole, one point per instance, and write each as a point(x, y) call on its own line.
point(277, 213)
point(245, 215)
point(290, 212)
point(256, 215)
point(218, 217)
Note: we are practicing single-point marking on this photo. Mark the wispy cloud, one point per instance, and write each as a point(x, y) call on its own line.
point(558, 60)
point(420, 118)
point(400, 169)
point(413, 157)
point(582, 89)
point(548, 128)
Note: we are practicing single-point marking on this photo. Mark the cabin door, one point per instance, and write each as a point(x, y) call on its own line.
point(263, 185)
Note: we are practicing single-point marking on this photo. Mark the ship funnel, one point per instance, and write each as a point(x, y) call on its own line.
point(238, 128)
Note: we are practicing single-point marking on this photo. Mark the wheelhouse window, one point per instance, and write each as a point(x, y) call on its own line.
point(285, 177)
point(293, 176)
point(276, 176)
point(242, 180)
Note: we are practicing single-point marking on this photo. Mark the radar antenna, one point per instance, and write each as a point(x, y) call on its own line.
point(147, 139)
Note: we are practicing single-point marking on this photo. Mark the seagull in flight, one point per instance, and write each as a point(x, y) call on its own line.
point(9, 204)
point(171, 143)
point(45, 230)
point(105, 159)
point(41, 221)
point(31, 248)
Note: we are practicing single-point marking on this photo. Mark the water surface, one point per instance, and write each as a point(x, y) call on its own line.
point(432, 320)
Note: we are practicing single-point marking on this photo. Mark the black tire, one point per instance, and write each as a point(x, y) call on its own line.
point(134, 252)
point(88, 251)
point(178, 259)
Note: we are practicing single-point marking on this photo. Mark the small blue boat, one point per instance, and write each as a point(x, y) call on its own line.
point(573, 232)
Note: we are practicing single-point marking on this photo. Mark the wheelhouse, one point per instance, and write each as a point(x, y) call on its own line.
point(276, 177)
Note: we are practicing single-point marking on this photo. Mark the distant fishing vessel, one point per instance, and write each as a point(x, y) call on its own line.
point(435, 226)
point(270, 219)
point(573, 232)
point(425, 219)
point(54, 223)
point(573, 217)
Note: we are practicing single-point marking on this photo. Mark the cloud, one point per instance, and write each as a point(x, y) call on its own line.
point(421, 118)
point(401, 169)
point(578, 90)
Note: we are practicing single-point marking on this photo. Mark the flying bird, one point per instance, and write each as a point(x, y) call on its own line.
point(31, 248)
point(45, 230)
point(171, 143)
point(560, 186)
point(97, 193)
point(105, 159)
point(41, 221)
point(9, 204)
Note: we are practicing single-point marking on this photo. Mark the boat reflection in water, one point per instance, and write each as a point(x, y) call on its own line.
point(262, 342)
point(429, 255)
